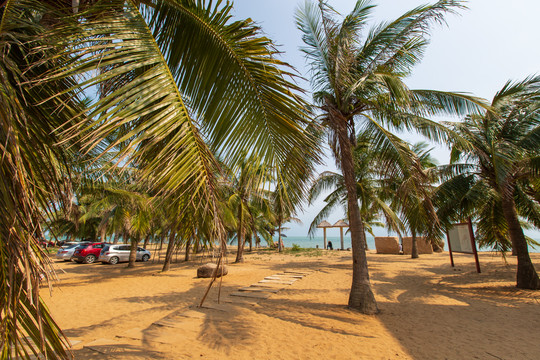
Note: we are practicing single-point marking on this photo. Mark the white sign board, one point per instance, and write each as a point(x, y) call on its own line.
point(460, 239)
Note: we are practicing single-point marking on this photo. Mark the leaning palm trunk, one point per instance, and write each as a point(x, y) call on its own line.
point(169, 254)
point(527, 278)
point(361, 296)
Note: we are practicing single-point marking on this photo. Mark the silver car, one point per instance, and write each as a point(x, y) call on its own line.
point(65, 252)
point(113, 254)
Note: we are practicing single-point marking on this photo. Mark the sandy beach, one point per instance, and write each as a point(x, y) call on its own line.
point(428, 309)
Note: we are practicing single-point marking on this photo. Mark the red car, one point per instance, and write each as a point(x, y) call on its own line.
point(88, 253)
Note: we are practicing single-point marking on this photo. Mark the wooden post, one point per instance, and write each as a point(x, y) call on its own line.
point(473, 245)
point(450, 249)
point(324, 231)
point(341, 233)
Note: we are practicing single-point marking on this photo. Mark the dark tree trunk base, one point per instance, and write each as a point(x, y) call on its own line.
point(527, 278)
point(364, 302)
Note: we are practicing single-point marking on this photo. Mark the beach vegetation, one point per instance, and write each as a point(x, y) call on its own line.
point(494, 172)
point(409, 188)
point(357, 76)
point(174, 86)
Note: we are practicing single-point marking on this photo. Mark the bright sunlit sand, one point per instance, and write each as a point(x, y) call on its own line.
point(428, 310)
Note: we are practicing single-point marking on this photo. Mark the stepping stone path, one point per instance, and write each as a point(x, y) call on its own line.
point(269, 285)
point(178, 322)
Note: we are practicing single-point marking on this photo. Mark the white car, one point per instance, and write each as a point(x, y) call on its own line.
point(113, 254)
point(65, 252)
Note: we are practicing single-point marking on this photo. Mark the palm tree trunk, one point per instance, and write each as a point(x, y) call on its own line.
point(250, 244)
point(133, 252)
point(146, 239)
point(168, 255)
point(116, 237)
point(414, 249)
point(526, 277)
point(361, 296)
point(188, 247)
point(161, 238)
point(240, 236)
point(280, 248)
point(103, 235)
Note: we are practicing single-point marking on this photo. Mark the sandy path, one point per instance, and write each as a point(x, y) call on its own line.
point(428, 311)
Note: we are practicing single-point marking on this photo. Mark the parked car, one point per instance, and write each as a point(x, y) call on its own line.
point(46, 243)
point(88, 253)
point(113, 254)
point(66, 251)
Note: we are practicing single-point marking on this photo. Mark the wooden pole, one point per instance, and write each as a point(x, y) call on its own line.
point(324, 231)
point(473, 245)
point(450, 249)
point(341, 233)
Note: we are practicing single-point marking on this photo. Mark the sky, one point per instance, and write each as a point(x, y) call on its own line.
point(489, 43)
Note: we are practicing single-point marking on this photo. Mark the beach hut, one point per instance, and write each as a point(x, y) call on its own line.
point(341, 224)
point(323, 225)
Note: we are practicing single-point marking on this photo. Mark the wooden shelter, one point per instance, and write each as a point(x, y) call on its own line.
point(341, 224)
point(323, 225)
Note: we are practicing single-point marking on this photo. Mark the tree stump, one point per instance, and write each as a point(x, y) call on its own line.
point(207, 270)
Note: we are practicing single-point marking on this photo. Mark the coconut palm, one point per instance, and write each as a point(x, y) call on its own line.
point(360, 82)
point(128, 211)
point(372, 195)
point(32, 173)
point(495, 172)
point(167, 73)
point(245, 188)
point(410, 188)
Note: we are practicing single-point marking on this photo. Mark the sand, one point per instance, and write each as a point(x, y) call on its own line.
point(429, 310)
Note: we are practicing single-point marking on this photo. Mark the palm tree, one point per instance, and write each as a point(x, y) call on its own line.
point(32, 173)
point(362, 82)
point(411, 188)
point(370, 186)
point(167, 72)
point(498, 178)
point(245, 189)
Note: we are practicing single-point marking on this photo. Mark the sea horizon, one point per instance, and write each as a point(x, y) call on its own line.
point(308, 242)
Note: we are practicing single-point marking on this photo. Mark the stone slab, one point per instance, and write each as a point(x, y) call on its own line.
point(298, 273)
point(242, 301)
point(258, 289)
point(270, 285)
point(258, 295)
point(272, 281)
point(282, 278)
point(218, 307)
point(294, 276)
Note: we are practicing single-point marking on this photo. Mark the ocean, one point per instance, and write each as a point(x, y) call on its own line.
point(307, 242)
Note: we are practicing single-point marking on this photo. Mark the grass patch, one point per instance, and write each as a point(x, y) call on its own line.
point(299, 251)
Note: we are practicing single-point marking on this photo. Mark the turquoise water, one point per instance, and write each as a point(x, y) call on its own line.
point(307, 242)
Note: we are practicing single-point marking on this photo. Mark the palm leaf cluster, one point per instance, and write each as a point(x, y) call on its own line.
point(173, 85)
point(357, 76)
point(494, 174)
